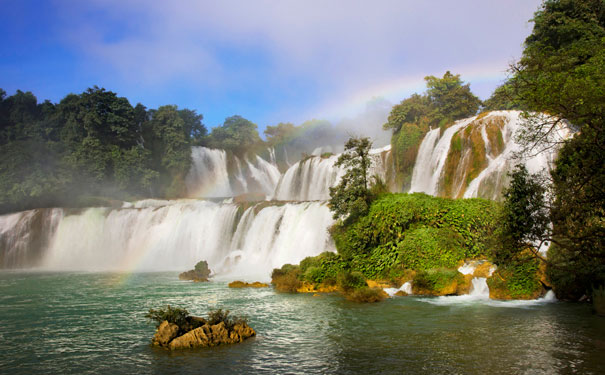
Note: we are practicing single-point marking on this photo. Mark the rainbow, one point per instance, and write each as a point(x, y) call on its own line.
point(399, 88)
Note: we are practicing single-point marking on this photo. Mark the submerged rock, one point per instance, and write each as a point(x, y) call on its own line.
point(242, 284)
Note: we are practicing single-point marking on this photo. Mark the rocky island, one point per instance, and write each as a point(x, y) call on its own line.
point(199, 273)
point(176, 329)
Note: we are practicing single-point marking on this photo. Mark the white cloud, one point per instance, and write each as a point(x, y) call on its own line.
point(338, 47)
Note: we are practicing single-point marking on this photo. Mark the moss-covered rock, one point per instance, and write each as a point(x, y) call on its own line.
point(518, 280)
point(242, 284)
point(437, 282)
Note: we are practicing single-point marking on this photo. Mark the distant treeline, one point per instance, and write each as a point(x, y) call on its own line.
point(95, 146)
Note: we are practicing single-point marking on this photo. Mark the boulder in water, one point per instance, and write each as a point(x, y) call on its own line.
point(165, 333)
point(200, 273)
point(179, 330)
point(212, 335)
point(242, 284)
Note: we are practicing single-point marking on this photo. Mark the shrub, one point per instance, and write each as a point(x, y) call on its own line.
point(424, 248)
point(175, 315)
point(286, 279)
point(217, 316)
point(518, 279)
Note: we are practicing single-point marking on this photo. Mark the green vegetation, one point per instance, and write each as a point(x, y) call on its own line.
point(446, 100)
point(237, 135)
point(350, 198)
point(91, 144)
point(561, 74)
point(402, 235)
point(439, 281)
point(517, 279)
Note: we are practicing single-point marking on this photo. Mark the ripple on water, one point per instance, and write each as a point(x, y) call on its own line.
point(94, 323)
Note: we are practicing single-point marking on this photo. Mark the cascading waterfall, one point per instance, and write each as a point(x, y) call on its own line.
point(208, 176)
point(23, 236)
point(311, 179)
point(428, 175)
point(494, 175)
point(431, 158)
point(171, 236)
point(265, 174)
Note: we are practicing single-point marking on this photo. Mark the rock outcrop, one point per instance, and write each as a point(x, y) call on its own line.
point(200, 273)
point(165, 333)
point(204, 336)
point(241, 284)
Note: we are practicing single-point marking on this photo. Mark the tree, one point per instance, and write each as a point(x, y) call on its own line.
point(413, 110)
point(561, 76)
point(280, 133)
point(350, 198)
point(503, 98)
point(193, 127)
point(236, 134)
point(525, 216)
point(170, 148)
point(450, 99)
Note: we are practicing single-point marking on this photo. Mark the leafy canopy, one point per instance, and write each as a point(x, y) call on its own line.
point(350, 198)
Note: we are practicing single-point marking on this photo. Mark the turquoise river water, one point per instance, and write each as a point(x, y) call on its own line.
point(93, 323)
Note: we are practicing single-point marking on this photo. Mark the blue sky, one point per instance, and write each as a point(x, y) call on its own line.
point(268, 61)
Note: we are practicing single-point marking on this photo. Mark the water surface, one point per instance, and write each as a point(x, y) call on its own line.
point(94, 323)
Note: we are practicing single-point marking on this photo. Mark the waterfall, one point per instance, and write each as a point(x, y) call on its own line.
point(23, 235)
point(311, 179)
point(431, 158)
point(172, 236)
point(488, 182)
point(479, 288)
point(208, 175)
point(265, 174)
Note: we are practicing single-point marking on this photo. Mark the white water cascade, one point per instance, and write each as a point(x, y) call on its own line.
point(208, 176)
point(479, 288)
point(311, 179)
point(431, 158)
point(495, 172)
point(428, 173)
point(171, 236)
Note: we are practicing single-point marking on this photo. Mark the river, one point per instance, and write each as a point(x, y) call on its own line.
point(93, 323)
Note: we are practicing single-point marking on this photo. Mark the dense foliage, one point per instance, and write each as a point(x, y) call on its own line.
point(400, 232)
point(561, 74)
point(92, 144)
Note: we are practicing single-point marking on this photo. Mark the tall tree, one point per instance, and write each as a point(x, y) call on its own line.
point(350, 198)
point(561, 74)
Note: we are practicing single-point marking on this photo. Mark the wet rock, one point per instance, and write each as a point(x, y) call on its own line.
point(200, 273)
point(165, 333)
point(211, 335)
point(241, 284)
